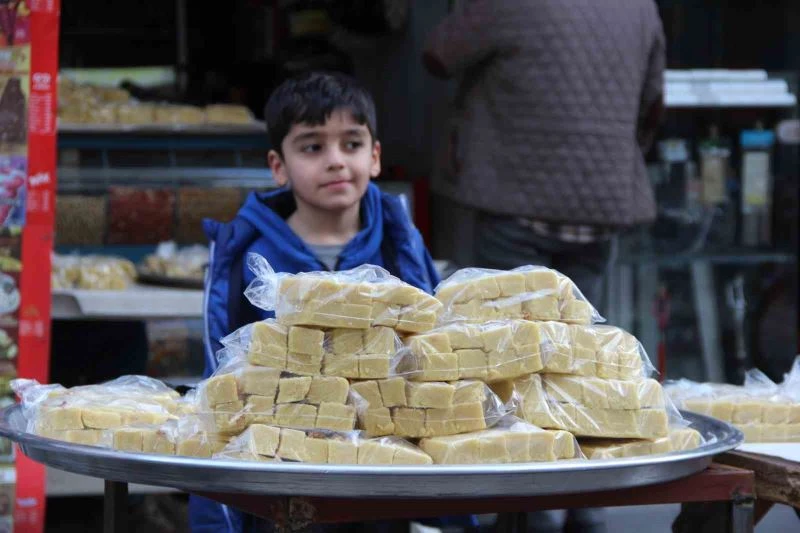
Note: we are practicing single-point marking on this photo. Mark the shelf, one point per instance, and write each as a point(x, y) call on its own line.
point(137, 303)
point(164, 139)
point(81, 178)
point(61, 483)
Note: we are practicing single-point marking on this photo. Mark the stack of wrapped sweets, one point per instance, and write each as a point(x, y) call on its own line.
point(763, 410)
point(532, 336)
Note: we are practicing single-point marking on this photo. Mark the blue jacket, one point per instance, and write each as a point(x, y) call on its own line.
point(388, 239)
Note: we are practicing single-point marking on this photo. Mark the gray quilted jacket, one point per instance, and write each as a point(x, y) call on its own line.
point(557, 99)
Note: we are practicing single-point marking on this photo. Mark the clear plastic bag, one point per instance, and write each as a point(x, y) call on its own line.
point(762, 410)
point(409, 409)
point(354, 299)
point(92, 272)
point(169, 260)
point(340, 352)
point(240, 394)
point(594, 407)
point(511, 441)
point(679, 439)
point(528, 292)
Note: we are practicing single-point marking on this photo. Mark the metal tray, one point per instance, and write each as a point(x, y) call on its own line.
point(356, 481)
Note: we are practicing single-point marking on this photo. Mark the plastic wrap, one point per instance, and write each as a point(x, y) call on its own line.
point(489, 352)
point(92, 272)
point(169, 260)
point(340, 352)
point(240, 394)
point(592, 350)
point(529, 292)
point(594, 407)
point(404, 408)
point(354, 299)
point(679, 439)
point(269, 443)
point(762, 410)
point(84, 414)
point(511, 441)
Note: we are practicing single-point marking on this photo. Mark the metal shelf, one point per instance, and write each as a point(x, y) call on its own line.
point(163, 140)
point(82, 178)
point(138, 302)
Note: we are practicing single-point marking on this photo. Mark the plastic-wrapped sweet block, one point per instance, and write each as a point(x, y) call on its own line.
point(328, 389)
point(393, 392)
point(306, 341)
point(336, 416)
point(556, 347)
point(679, 439)
point(430, 394)
point(259, 381)
point(268, 344)
point(293, 389)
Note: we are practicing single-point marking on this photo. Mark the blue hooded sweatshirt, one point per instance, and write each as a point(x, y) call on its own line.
point(387, 239)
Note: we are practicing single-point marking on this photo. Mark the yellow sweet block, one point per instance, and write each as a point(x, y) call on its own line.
point(576, 312)
point(541, 308)
point(345, 366)
point(526, 333)
point(492, 448)
point(143, 418)
point(221, 389)
point(472, 363)
point(608, 364)
point(342, 452)
point(157, 441)
point(260, 409)
point(684, 439)
point(60, 419)
point(698, 405)
point(99, 418)
point(373, 366)
point(293, 389)
point(510, 283)
point(377, 422)
point(650, 394)
point(336, 417)
point(652, 423)
point(416, 321)
point(506, 310)
point(296, 415)
point(773, 432)
point(563, 444)
point(485, 287)
point(127, 440)
point(316, 450)
point(367, 394)
point(499, 337)
point(380, 340)
point(505, 365)
point(567, 389)
point(407, 455)
point(595, 393)
point(306, 341)
point(230, 418)
point(328, 389)
point(541, 446)
point(751, 432)
point(469, 392)
point(356, 293)
point(375, 452)
point(556, 347)
point(269, 332)
point(584, 361)
point(304, 364)
point(722, 409)
point(794, 413)
point(304, 288)
point(336, 315)
point(87, 437)
point(385, 314)
point(585, 337)
point(270, 356)
point(469, 417)
point(408, 422)
point(463, 336)
point(469, 311)
point(630, 365)
point(258, 380)
point(793, 432)
point(423, 395)
point(393, 392)
point(291, 445)
point(541, 280)
point(438, 367)
point(519, 447)
point(430, 343)
point(262, 440)
point(345, 341)
point(195, 446)
point(440, 422)
point(456, 293)
point(774, 413)
point(457, 449)
point(623, 394)
point(396, 294)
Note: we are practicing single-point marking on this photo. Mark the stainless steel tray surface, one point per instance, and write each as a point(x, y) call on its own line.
point(361, 481)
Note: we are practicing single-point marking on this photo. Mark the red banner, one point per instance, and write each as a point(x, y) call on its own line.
point(37, 236)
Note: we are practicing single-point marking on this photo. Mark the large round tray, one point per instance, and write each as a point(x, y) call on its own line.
point(356, 481)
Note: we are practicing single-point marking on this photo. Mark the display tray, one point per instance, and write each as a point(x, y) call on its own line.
point(136, 302)
point(151, 278)
point(361, 481)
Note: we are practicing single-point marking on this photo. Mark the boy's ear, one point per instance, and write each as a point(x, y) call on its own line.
point(278, 168)
point(375, 167)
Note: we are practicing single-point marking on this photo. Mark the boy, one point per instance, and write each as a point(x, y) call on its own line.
point(326, 216)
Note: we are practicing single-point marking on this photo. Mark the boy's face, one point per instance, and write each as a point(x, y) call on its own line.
point(328, 166)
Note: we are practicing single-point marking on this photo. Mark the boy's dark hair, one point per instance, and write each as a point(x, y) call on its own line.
point(311, 98)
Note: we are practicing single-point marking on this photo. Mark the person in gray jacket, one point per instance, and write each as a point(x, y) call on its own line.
point(557, 101)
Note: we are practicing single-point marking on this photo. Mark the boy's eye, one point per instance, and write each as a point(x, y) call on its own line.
point(354, 145)
point(309, 148)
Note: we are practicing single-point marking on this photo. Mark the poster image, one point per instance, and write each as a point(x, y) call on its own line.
point(13, 171)
point(14, 91)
